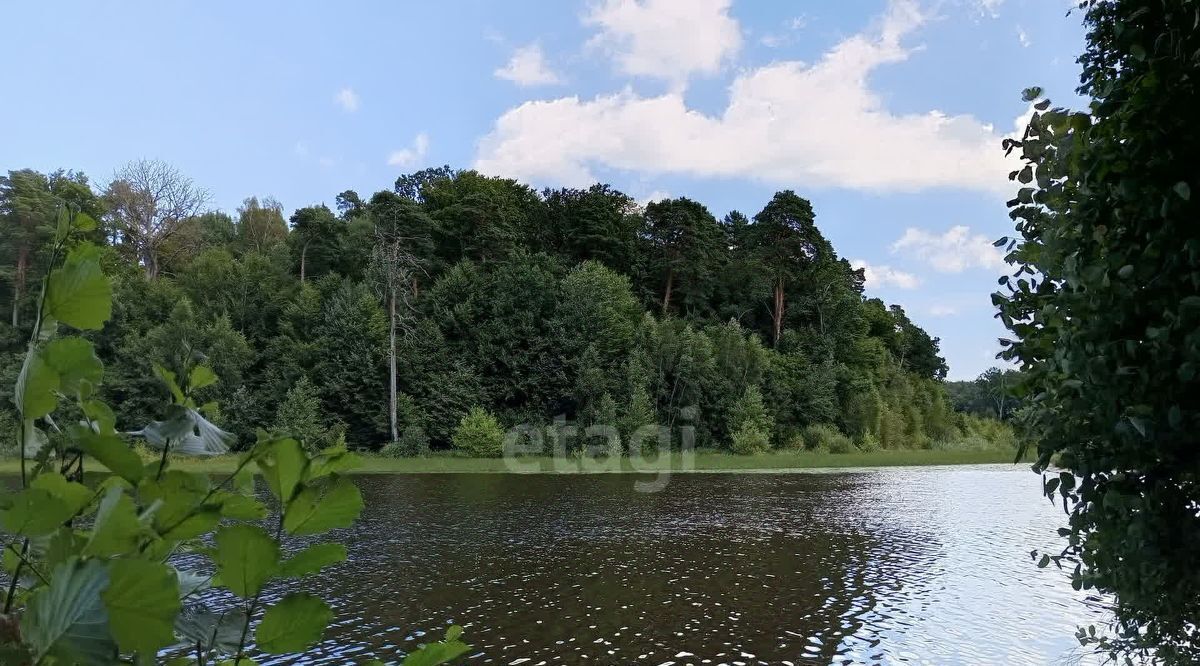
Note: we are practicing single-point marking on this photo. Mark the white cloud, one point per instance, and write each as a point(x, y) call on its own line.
point(786, 122)
point(1023, 37)
point(300, 149)
point(666, 39)
point(412, 154)
point(347, 99)
point(943, 310)
point(882, 276)
point(989, 7)
point(656, 195)
point(952, 252)
point(528, 67)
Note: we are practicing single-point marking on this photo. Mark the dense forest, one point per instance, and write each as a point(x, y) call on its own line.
point(394, 316)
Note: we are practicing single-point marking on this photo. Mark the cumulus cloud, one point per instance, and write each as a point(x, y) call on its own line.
point(347, 99)
point(786, 123)
point(528, 67)
point(656, 195)
point(411, 155)
point(883, 276)
point(951, 252)
point(665, 39)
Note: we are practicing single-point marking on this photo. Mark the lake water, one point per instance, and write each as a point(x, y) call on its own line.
point(903, 565)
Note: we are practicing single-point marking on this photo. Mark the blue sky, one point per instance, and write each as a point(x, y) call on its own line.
point(887, 114)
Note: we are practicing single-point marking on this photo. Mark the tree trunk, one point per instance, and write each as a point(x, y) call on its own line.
point(303, 255)
point(392, 364)
point(416, 288)
point(777, 315)
point(667, 292)
point(19, 284)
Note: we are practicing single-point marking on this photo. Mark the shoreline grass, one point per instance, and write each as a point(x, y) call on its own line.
point(772, 462)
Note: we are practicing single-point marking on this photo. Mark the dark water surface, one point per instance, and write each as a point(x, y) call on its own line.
point(905, 565)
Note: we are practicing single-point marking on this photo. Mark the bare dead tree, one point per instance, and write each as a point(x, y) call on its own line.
point(395, 269)
point(149, 202)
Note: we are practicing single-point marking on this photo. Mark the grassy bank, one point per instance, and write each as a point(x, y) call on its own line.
point(701, 461)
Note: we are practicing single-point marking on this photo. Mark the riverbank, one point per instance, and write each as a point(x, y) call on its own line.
point(701, 461)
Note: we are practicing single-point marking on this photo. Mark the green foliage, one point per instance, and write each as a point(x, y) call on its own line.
point(1104, 307)
point(825, 437)
point(300, 415)
point(750, 424)
point(479, 434)
point(94, 577)
point(532, 307)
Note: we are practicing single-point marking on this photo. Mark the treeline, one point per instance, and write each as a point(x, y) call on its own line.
point(391, 318)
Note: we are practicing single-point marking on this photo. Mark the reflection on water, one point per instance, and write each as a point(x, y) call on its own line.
point(922, 565)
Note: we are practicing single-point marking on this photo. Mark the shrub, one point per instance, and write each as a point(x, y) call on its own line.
point(750, 424)
point(479, 434)
point(393, 450)
point(867, 442)
point(824, 437)
point(299, 416)
point(750, 440)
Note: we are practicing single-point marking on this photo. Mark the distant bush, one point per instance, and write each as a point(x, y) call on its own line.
point(479, 434)
point(824, 437)
point(750, 424)
point(393, 450)
point(867, 442)
point(750, 440)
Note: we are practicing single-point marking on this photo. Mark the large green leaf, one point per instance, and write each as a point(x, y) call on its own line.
point(142, 601)
point(66, 620)
point(35, 512)
point(282, 463)
point(116, 529)
point(246, 557)
point(180, 494)
point(111, 452)
point(294, 624)
point(78, 293)
point(75, 495)
point(335, 502)
point(75, 361)
point(313, 559)
point(35, 391)
point(441, 652)
point(211, 630)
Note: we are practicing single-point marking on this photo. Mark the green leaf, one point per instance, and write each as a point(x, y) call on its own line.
point(75, 361)
point(35, 512)
point(35, 391)
point(117, 529)
point(246, 558)
point(167, 377)
point(213, 631)
point(201, 376)
point(241, 661)
point(323, 506)
point(240, 507)
point(74, 495)
point(282, 463)
point(1183, 190)
point(440, 652)
point(332, 460)
point(142, 601)
point(66, 620)
point(111, 452)
point(313, 559)
point(78, 293)
point(294, 624)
